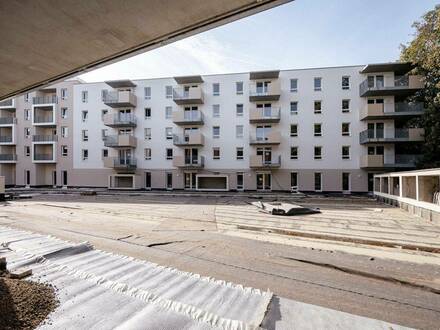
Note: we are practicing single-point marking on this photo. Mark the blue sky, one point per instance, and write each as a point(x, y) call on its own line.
point(300, 34)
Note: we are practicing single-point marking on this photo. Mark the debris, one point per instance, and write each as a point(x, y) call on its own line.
point(88, 193)
point(287, 209)
point(2, 264)
point(20, 273)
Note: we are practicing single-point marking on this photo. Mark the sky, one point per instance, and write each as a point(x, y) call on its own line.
point(299, 34)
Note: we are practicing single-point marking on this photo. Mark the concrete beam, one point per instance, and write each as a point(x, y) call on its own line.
point(47, 41)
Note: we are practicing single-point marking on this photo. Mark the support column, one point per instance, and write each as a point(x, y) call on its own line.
point(400, 186)
point(417, 187)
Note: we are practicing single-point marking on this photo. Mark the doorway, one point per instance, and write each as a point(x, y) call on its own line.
point(148, 180)
point(190, 180)
point(64, 178)
point(370, 182)
point(54, 179)
point(264, 181)
point(346, 183)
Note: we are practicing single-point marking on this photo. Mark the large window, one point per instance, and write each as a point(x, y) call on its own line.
point(169, 153)
point(169, 92)
point(239, 110)
point(318, 152)
point(239, 87)
point(216, 89)
point(294, 108)
point(216, 153)
point(317, 83)
point(216, 110)
point(317, 107)
point(293, 152)
point(317, 129)
point(147, 93)
point(147, 113)
point(345, 152)
point(216, 132)
point(345, 129)
point(169, 133)
point(147, 133)
point(345, 105)
point(293, 85)
point(293, 130)
point(239, 153)
point(147, 153)
point(239, 131)
point(168, 112)
point(345, 82)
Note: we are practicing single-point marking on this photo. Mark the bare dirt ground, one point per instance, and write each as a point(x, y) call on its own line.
point(343, 258)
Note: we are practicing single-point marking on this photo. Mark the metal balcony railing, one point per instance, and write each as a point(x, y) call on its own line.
point(124, 162)
point(265, 113)
point(8, 157)
point(5, 139)
point(406, 159)
point(194, 161)
point(121, 119)
point(43, 157)
point(45, 99)
point(409, 107)
point(43, 119)
point(44, 138)
point(8, 120)
point(110, 97)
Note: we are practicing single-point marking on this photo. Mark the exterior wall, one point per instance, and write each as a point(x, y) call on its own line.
point(92, 173)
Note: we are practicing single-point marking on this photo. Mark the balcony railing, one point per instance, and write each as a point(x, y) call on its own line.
point(114, 120)
point(401, 85)
point(7, 103)
point(8, 157)
point(193, 117)
point(391, 135)
point(406, 159)
point(189, 162)
point(43, 119)
point(120, 163)
point(39, 157)
point(50, 99)
point(194, 138)
point(268, 115)
point(8, 120)
point(409, 107)
point(44, 138)
point(270, 92)
point(193, 95)
point(6, 139)
point(121, 140)
point(268, 138)
point(116, 99)
point(259, 161)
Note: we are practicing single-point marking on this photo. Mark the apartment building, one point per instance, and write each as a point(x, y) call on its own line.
point(325, 129)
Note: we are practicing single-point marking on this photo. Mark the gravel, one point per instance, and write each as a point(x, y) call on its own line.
point(24, 304)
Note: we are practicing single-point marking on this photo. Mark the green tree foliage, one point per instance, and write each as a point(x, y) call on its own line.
point(424, 52)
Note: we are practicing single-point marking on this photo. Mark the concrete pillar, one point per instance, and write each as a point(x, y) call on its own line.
point(400, 186)
point(417, 187)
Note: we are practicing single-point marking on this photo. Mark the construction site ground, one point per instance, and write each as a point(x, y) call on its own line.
point(356, 256)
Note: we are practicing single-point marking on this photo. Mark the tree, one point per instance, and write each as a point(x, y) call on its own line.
point(424, 52)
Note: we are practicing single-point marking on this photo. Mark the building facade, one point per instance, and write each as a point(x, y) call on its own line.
point(325, 129)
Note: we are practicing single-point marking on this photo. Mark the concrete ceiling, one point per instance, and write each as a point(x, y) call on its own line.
point(46, 41)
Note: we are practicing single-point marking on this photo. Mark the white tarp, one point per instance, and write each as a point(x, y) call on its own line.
point(100, 290)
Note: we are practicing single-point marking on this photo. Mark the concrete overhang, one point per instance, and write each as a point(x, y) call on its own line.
point(396, 67)
point(273, 74)
point(46, 41)
point(189, 80)
point(120, 83)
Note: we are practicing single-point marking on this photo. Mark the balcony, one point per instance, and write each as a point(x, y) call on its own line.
point(47, 99)
point(119, 141)
point(264, 115)
point(401, 109)
point(190, 139)
point(120, 163)
point(7, 104)
point(120, 120)
point(44, 138)
point(403, 86)
point(192, 95)
point(376, 162)
point(8, 158)
point(8, 121)
point(193, 117)
point(271, 92)
point(392, 135)
point(272, 138)
point(119, 99)
point(259, 162)
point(189, 162)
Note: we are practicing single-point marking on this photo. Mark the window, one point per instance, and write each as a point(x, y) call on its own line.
point(85, 96)
point(293, 129)
point(216, 110)
point(147, 113)
point(239, 87)
point(240, 181)
point(147, 153)
point(345, 105)
point(85, 154)
point(345, 129)
point(345, 152)
point(104, 153)
point(345, 82)
point(27, 132)
point(27, 114)
point(239, 131)
point(168, 112)
point(216, 89)
point(104, 94)
point(26, 97)
point(239, 153)
point(85, 135)
point(317, 107)
point(318, 181)
point(293, 152)
point(104, 133)
point(147, 133)
point(294, 181)
point(64, 113)
point(84, 115)
point(293, 85)
point(147, 93)
point(63, 93)
point(216, 153)
point(216, 132)
point(317, 83)
point(103, 113)
point(64, 131)
point(239, 110)
point(64, 151)
point(317, 129)
point(293, 108)
point(27, 151)
point(169, 92)
point(169, 133)
point(318, 152)
point(169, 153)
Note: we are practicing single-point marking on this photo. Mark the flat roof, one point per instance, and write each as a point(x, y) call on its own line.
point(120, 83)
point(189, 79)
point(396, 67)
point(273, 74)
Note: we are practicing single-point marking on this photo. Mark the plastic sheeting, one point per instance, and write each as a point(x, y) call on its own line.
point(100, 290)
